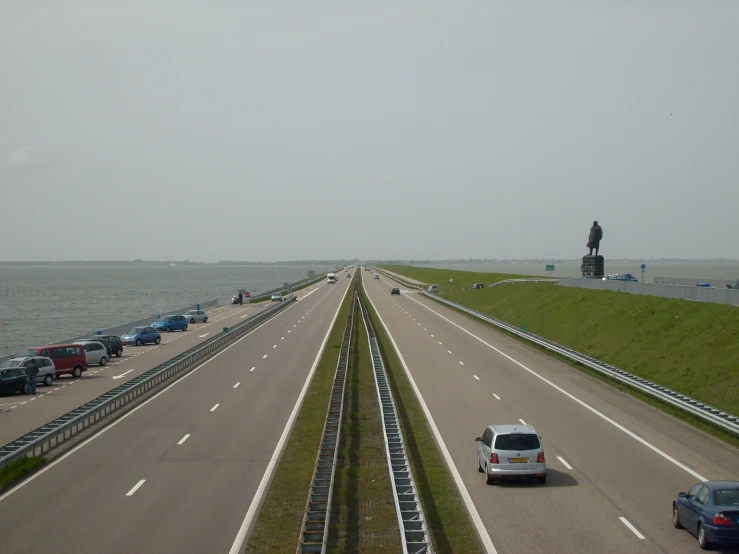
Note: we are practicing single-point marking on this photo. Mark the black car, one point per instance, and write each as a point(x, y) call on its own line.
point(395, 291)
point(13, 380)
point(112, 344)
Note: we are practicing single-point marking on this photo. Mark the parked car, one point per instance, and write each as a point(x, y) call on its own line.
point(141, 335)
point(95, 352)
point(511, 451)
point(12, 380)
point(170, 323)
point(709, 511)
point(395, 290)
point(46, 369)
point(112, 343)
point(69, 359)
point(197, 316)
point(277, 297)
point(433, 288)
point(478, 286)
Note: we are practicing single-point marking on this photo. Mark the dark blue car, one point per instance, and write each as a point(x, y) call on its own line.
point(710, 511)
point(171, 323)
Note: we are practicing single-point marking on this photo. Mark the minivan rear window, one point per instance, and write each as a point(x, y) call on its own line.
point(517, 442)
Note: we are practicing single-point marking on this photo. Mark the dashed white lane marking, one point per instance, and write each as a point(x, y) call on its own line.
point(564, 463)
point(522, 421)
point(294, 326)
point(275, 346)
point(628, 524)
point(439, 342)
point(264, 356)
point(282, 338)
point(496, 396)
point(252, 369)
point(136, 487)
point(461, 362)
point(205, 335)
point(476, 377)
point(183, 439)
point(289, 330)
point(214, 408)
point(432, 335)
point(236, 385)
point(449, 351)
point(425, 329)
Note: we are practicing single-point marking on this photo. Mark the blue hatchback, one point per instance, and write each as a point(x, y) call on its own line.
point(710, 511)
point(171, 323)
point(141, 335)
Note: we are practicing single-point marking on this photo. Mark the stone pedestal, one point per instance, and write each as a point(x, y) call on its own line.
point(593, 266)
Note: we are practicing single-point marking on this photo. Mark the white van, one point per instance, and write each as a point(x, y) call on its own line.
point(331, 278)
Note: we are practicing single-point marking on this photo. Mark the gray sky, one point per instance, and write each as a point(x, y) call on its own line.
point(244, 130)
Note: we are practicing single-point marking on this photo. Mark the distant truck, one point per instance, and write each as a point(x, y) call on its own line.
point(331, 278)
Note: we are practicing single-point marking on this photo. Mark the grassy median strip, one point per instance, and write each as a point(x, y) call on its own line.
point(16, 471)
point(447, 517)
point(278, 526)
point(363, 516)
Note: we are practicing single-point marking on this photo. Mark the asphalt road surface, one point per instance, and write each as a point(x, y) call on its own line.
point(179, 472)
point(614, 463)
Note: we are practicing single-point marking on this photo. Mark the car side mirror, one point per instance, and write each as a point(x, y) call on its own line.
point(681, 495)
point(478, 439)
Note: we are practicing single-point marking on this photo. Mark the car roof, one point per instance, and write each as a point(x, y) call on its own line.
point(513, 428)
point(85, 341)
point(722, 484)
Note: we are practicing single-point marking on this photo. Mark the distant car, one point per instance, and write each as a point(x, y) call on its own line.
point(12, 380)
point(277, 297)
point(478, 286)
point(710, 511)
point(376, 276)
point(112, 343)
point(170, 323)
point(141, 335)
point(705, 285)
point(46, 369)
point(622, 277)
point(197, 316)
point(395, 291)
point(95, 352)
point(433, 288)
point(511, 451)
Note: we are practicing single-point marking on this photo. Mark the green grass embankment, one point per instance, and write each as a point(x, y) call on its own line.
point(690, 347)
point(18, 470)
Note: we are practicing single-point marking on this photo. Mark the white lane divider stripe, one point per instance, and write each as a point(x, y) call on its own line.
point(136, 487)
point(252, 369)
point(461, 362)
point(236, 385)
point(522, 421)
point(564, 463)
point(205, 335)
point(214, 408)
point(476, 377)
point(496, 396)
point(275, 346)
point(630, 526)
point(264, 356)
point(449, 351)
point(183, 439)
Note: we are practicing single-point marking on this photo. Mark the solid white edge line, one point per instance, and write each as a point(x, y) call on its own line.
point(183, 439)
point(630, 526)
point(572, 397)
point(136, 487)
point(564, 463)
point(474, 514)
point(261, 489)
point(130, 413)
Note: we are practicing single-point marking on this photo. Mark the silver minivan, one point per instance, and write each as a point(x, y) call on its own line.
point(511, 451)
point(46, 369)
point(95, 352)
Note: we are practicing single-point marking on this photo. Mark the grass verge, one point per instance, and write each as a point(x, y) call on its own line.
point(16, 471)
point(363, 517)
point(449, 521)
point(690, 347)
point(278, 526)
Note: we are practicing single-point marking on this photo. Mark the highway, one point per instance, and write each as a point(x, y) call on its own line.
point(179, 473)
point(21, 414)
point(614, 463)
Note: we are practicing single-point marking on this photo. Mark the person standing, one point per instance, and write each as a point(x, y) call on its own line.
point(31, 373)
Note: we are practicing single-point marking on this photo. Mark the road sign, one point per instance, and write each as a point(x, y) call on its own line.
point(643, 267)
point(550, 267)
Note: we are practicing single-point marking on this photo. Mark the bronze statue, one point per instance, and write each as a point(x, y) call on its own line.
point(596, 234)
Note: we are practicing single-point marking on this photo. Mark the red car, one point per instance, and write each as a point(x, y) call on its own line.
point(69, 359)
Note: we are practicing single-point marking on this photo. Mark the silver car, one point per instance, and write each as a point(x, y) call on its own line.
point(511, 451)
point(95, 352)
point(46, 368)
point(196, 316)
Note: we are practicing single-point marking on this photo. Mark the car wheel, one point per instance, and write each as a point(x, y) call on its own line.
point(168, 329)
point(77, 372)
point(542, 480)
point(205, 320)
point(158, 340)
point(103, 360)
point(184, 328)
point(676, 517)
point(702, 540)
point(192, 320)
point(479, 466)
point(48, 380)
point(488, 478)
point(119, 353)
point(139, 342)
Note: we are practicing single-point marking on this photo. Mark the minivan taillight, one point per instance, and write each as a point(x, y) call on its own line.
point(721, 519)
point(540, 458)
point(494, 458)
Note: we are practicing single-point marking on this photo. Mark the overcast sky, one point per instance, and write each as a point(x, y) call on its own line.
point(384, 129)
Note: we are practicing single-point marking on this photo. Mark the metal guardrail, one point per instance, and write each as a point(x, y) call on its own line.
point(704, 411)
point(293, 286)
point(314, 535)
point(52, 434)
point(411, 519)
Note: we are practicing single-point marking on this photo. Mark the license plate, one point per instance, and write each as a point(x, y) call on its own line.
point(517, 460)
